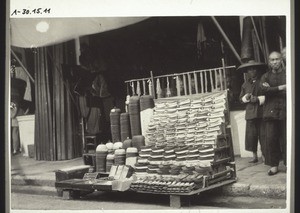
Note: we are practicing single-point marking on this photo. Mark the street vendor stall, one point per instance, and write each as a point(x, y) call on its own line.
point(185, 147)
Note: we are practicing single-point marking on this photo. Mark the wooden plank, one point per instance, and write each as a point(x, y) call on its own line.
point(196, 82)
point(211, 80)
point(220, 78)
point(202, 81)
point(178, 85)
point(216, 78)
point(184, 84)
point(205, 80)
point(190, 83)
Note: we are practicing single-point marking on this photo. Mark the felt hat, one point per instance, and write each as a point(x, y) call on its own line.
point(251, 63)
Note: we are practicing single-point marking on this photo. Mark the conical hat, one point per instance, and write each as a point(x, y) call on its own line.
point(252, 63)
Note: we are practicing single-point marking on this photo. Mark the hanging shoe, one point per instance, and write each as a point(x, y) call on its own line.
point(254, 160)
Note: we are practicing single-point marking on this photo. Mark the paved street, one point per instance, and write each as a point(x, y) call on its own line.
point(126, 201)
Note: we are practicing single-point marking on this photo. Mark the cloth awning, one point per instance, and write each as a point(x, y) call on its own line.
point(37, 32)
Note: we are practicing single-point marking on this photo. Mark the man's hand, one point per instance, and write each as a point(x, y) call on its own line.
point(265, 84)
point(253, 99)
point(282, 87)
point(247, 96)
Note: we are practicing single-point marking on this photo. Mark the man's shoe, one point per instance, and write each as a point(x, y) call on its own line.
point(270, 172)
point(255, 160)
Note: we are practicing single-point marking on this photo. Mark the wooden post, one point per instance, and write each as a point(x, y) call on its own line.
point(184, 84)
point(202, 81)
point(175, 201)
point(224, 73)
point(152, 86)
point(226, 39)
point(190, 83)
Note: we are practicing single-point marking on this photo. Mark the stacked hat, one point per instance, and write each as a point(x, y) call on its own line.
point(152, 169)
point(169, 153)
point(188, 170)
point(193, 153)
point(131, 156)
point(110, 158)
point(145, 152)
point(101, 153)
point(175, 169)
point(206, 152)
point(140, 168)
point(120, 157)
point(181, 153)
point(157, 154)
point(164, 169)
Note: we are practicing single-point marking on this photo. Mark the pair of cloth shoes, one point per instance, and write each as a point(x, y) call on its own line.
point(273, 171)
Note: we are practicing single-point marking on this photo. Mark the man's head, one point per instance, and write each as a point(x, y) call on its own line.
point(252, 72)
point(275, 60)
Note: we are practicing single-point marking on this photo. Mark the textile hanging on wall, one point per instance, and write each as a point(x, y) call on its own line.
point(56, 117)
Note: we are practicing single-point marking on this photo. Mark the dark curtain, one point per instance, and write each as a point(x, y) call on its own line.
point(57, 132)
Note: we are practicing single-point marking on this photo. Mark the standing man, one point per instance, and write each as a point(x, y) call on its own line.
point(251, 96)
point(273, 85)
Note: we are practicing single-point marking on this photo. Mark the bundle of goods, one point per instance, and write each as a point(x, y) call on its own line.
point(125, 126)
point(187, 139)
point(131, 156)
point(120, 157)
point(182, 183)
point(134, 114)
point(115, 124)
point(101, 153)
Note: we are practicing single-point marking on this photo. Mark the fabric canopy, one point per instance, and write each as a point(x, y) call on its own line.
point(38, 32)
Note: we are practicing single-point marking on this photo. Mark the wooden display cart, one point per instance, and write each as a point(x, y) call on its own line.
point(222, 169)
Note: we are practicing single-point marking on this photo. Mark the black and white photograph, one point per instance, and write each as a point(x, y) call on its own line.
point(180, 111)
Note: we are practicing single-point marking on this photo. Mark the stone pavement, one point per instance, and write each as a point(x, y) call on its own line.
point(39, 176)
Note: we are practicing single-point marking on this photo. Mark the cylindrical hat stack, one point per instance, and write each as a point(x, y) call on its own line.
point(127, 143)
point(101, 153)
point(138, 141)
point(134, 113)
point(110, 159)
point(120, 157)
point(125, 126)
point(131, 156)
point(115, 124)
